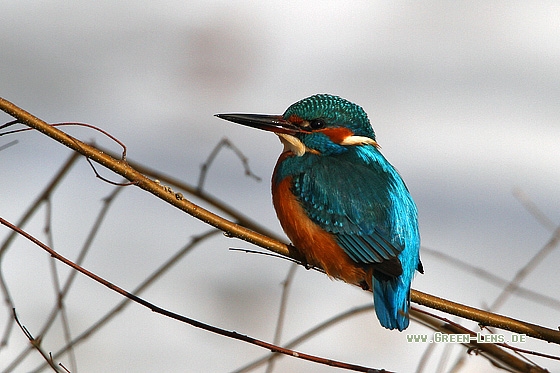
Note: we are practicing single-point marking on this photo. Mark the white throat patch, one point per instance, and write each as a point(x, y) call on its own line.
point(292, 144)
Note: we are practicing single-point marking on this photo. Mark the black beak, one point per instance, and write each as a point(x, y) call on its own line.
point(272, 123)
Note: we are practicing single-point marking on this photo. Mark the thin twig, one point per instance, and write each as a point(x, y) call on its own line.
point(77, 124)
point(249, 251)
point(423, 362)
point(224, 143)
point(36, 343)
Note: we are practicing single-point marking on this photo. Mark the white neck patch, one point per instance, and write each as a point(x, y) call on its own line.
point(359, 140)
point(292, 144)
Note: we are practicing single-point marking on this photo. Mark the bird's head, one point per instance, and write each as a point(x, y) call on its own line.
point(320, 124)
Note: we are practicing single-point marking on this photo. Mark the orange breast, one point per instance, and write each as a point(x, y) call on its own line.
point(318, 246)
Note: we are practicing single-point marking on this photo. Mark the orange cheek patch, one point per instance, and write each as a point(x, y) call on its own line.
point(294, 119)
point(337, 135)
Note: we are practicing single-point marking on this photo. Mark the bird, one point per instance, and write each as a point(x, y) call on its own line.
point(344, 207)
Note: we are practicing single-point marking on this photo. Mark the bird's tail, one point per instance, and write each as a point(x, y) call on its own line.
point(391, 298)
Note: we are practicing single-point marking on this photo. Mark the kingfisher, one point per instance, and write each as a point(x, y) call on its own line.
point(344, 207)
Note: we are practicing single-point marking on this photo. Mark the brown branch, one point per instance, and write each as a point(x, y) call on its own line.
point(187, 320)
point(233, 230)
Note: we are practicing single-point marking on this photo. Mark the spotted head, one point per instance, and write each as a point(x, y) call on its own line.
point(320, 124)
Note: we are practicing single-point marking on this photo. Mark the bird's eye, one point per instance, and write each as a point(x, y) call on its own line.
point(316, 124)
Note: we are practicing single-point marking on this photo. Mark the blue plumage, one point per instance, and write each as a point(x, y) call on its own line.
point(348, 189)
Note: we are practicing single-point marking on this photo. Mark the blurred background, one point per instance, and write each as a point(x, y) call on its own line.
point(464, 97)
